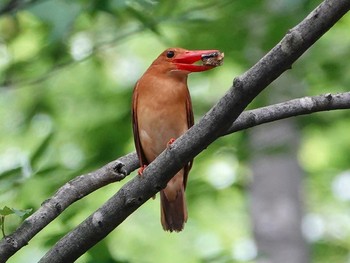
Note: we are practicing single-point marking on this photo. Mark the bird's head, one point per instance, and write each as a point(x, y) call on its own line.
point(183, 61)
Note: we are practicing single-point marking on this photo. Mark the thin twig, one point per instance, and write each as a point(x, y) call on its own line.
point(295, 107)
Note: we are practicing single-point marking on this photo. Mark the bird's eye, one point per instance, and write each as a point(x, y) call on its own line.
point(170, 54)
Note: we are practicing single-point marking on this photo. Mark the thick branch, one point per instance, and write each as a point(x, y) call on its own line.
point(118, 169)
point(246, 87)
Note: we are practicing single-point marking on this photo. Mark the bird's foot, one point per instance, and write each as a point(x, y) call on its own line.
point(140, 171)
point(170, 142)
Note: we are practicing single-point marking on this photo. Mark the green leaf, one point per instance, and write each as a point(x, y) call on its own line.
point(6, 211)
point(19, 212)
point(22, 213)
point(10, 173)
point(37, 154)
point(60, 15)
point(147, 21)
point(48, 169)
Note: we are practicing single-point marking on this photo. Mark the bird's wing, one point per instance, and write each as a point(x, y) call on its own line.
point(190, 122)
point(135, 127)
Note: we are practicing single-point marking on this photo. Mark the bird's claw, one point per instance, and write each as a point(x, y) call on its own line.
point(171, 141)
point(140, 171)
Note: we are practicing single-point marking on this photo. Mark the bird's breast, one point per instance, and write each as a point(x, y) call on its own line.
point(162, 115)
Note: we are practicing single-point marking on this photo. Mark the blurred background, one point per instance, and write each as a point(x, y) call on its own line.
point(275, 193)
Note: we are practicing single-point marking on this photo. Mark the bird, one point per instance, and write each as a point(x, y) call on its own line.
point(162, 112)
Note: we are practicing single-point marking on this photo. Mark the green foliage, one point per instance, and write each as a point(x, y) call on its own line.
point(67, 70)
point(6, 211)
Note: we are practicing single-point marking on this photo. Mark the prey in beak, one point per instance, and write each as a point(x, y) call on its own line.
point(186, 60)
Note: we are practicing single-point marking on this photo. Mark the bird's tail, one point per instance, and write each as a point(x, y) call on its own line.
point(173, 210)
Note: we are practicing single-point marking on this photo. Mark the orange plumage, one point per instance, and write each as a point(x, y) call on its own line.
point(162, 111)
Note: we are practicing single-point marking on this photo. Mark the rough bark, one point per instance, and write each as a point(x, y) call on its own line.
point(65, 196)
point(246, 87)
point(213, 125)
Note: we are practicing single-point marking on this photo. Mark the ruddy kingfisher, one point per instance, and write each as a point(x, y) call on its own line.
point(162, 112)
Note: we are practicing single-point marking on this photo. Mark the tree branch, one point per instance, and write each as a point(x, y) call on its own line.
point(77, 188)
point(291, 108)
point(118, 169)
point(246, 87)
point(69, 193)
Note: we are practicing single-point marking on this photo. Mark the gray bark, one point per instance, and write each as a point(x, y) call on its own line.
point(245, 88)
point(215, 123)
point(118, 169)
